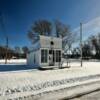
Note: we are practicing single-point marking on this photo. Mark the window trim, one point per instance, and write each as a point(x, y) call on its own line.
point(44, 55)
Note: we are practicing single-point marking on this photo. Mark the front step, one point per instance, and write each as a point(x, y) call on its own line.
point(48, 67)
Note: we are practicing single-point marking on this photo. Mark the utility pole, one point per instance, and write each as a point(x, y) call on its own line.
point(4, 32)
point(81, 45)
point(6, 50)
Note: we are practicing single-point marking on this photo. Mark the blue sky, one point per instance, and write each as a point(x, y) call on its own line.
point(20, 14)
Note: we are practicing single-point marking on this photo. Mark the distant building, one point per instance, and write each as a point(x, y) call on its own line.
point(45, 52)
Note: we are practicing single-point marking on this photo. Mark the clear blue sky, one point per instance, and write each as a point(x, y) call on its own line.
point(20, 14)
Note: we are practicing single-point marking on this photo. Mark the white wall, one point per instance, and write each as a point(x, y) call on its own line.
point(45, 42)
point(31, 56)
point(37, 54)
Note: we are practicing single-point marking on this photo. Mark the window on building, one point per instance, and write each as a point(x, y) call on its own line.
point(58, 56)
point(44, 56)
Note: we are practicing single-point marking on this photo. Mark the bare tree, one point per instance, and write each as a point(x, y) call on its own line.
point(42, 27)
point(33, 37)
point(61, 29)
point(94, 43)
point(86, 50)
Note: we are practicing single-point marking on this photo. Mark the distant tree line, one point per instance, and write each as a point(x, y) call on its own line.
point(15, 53)
point(90, 48)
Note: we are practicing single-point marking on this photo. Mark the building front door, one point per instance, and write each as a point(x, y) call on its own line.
point(51, 57)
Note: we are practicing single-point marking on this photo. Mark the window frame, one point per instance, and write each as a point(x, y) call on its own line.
point(44, 55)
point(58, 55)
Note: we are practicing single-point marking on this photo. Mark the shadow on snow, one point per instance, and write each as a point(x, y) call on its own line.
point(15, 67)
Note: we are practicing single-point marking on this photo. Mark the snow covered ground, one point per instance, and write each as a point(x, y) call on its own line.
point(91, 96)
point(14, 65)
point(31, 82)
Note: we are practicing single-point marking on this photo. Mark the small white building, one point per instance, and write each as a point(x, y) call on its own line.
point(45, 52)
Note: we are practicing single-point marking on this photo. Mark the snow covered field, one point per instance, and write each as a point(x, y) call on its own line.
point(91, 96)
point(14, 65)
point(31, 82)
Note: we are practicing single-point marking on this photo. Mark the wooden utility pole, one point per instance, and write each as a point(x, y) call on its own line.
point(6, 50)
point(4, 32)
point(81, 45)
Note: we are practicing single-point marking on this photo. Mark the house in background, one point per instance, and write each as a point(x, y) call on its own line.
point(45, 52)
